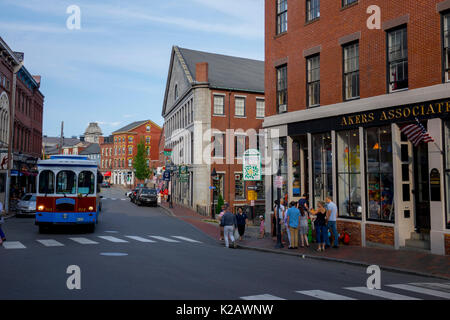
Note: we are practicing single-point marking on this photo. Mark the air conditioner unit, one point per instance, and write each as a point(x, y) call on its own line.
point(282, 108)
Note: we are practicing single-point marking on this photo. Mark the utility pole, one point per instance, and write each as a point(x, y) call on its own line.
point(61, 139)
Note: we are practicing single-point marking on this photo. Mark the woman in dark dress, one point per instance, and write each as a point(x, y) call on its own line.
point(320, 224)
point(241, 218)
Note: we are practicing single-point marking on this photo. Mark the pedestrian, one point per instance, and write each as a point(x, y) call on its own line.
point(285, 226)
point(275, 221)
point(242, 219)
point(303, 228)
point(320, 224)
point(229, 224)
point(222, 212)
point(2, 221)
point(332, 211)
point(261, 227)
point(303, 202)
point(293, 219)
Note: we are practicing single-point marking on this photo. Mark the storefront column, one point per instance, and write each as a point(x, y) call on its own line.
point(290, 172)
point(303, 174)
point(437, 208)
point(268, 176)
point(310, 173)
point(333, 165)
point(362, 166)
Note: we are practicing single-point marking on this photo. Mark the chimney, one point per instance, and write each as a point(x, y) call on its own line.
point(38, 80)
point(201, 72)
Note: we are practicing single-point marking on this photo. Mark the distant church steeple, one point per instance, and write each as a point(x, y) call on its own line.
point(93, 133)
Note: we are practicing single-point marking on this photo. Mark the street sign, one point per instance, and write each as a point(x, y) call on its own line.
point(279, 182)
point(166, 175)
point(252, 195)
point(168, 152)
point(184, 173)
point(255, 188)
point(252, 165)
point(212, 188)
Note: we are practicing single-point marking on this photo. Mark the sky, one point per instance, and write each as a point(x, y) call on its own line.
point(113, 70)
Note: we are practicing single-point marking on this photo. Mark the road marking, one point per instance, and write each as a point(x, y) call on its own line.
point(262, 297)
point(111, 231)
point(426, 291)
point(163, 239)
point(50, 243)
point(13, 245)
point(382, 293)
point(83, 241)
point(186, 239)
point(431, 285)
point(113, 199)
point(123, 199)
point(324, 295)
point(113, 254)
point(140, 239)
point(113, 239)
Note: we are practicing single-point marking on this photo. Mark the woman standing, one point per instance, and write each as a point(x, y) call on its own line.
point(303, 227)
point(241, 218)
point(320, 224)
point(221, 236)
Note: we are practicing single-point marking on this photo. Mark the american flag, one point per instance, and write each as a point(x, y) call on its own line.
point(417, 133)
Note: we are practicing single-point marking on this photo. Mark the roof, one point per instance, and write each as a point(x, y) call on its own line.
point(227, 72)
point(133, 125)
point(93, 148)
point(68, 142)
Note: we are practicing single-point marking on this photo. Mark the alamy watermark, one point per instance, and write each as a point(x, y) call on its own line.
point(74, 280)
point(73, 22)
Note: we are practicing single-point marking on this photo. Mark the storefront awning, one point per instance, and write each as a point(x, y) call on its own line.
point(107, 174)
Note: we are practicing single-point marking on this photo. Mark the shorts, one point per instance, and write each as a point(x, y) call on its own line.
point(303, 230)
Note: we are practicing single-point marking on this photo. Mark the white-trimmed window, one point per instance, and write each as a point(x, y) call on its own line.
point(219, 102)
point(313, 77)
point(282, 7)
point(239, 145)
point(239, 110)
point(130, 163)
point(260, 108)
point(447, 46)
point(130, 150)
point(218, 145)
point(398, 59)
point(239, 187)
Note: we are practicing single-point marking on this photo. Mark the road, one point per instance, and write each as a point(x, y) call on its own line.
point(142, 253)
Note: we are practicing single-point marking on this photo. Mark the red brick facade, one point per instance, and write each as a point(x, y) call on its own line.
point(335, 22)
point(380, 234)
point(353, 229)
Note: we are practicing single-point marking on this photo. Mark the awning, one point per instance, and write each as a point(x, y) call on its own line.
point(107, 174)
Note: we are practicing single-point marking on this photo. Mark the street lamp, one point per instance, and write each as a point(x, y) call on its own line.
point(213, 175)
point(278, 153)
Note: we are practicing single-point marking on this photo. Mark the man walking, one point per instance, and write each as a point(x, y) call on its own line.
point(229, 222)
point(332, 211)
point(293, 216)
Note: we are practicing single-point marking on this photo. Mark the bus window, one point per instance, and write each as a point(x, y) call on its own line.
point(47, 182)
point(66, 182)
point(86, 182)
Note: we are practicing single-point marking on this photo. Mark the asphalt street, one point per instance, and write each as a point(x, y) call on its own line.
point(142, 253)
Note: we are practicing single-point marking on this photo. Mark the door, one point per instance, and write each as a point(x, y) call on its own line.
point(421, 187)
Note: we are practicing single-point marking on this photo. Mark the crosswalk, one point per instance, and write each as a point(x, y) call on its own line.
point(409, 291)
point(116, 199)
point(97, 240)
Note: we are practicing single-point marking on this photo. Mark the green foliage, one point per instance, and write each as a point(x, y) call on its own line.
point(220, 203)
point(140, 162)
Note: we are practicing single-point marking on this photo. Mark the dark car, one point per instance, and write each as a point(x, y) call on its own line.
point(133, 194)
point(147, 196)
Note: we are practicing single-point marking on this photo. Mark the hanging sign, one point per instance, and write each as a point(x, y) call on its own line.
point(184, 173)
point(252, 165)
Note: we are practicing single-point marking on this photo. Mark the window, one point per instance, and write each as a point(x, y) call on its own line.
point(148, 128)
point(239, 110)
point(219, 102)
point(281, 16)
point(123, 163)
point(398, 59)
point(260, 108)
point(447, 170)
point(148, 163)
point(348, 2)
point(148, 151)
point(260, 189)
point(380, 178)
point(47, 182)
point(103, 163)
point(239, 187)
point(66, 182)
point(349, 175)
point(176, 92)
point(86, 182)
point(239, 146)
point(218, 145)
point(130, 139)
point(130, 163)
point(322, 167)
point(282, 94)
point(147, 140)
point(351, 71)
point(447, 46)
point(313, 85)
point(312, 10)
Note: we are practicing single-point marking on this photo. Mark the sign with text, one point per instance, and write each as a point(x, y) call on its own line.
point(166, 175)
point(184, 173)
point(252, 165)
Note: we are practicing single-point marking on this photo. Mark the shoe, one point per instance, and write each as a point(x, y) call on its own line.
point(319, 249)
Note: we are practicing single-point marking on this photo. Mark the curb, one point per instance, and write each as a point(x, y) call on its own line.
point(351, 262)
point(168, 211)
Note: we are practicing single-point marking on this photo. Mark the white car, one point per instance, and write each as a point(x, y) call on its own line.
point(27, 205)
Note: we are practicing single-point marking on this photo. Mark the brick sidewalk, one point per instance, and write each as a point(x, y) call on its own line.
point(415, 262)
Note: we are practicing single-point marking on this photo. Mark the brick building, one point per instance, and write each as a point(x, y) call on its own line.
point(107, 156)
point(338, 94)
point(213, 109)
point(124, 148)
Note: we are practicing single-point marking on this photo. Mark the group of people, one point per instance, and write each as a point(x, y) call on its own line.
point(293, 222)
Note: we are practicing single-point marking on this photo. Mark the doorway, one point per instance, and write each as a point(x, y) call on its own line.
point(421, 189)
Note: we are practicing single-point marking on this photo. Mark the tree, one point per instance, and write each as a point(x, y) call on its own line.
point(220, 203)
point(140, 162)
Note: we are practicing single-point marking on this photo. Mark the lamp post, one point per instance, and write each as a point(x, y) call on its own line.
point(213, 175)
point(278, 152)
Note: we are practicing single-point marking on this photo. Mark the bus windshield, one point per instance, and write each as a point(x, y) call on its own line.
point(86, 182)
point(66, 182)
point(47, 182)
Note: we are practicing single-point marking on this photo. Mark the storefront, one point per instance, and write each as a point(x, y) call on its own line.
point(389, 192)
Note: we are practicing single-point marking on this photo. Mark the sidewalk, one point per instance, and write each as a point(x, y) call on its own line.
point(415, 262)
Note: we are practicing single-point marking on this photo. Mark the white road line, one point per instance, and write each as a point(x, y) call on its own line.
point(123, 199)
point(381, 293)
point(113, 239)
point(426, 291)
point(262, 297)
point(113, 199)
point(83, 241)
point(50, 243)
point(140, 239)
point(10, 245)
point(186, 239)
point(163, 239)
point(324, 295)
point(432, 285)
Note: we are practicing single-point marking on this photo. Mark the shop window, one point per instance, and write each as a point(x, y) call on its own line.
point(281, 16)
point(66, 182)
point(447, 170)
point(239, 187)
point(296, 183)
point(322, 167)
point(279, 148)
point(261, 188)
point(218, 183)
point(380, 178)
point(446, 33)
point(398, 59)
point(86, 182)
point(47, 182)
point(349, 174)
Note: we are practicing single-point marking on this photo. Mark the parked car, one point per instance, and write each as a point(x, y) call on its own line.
point(106, 184)
point(27, 205)
point(134, 194)
point(147, 196)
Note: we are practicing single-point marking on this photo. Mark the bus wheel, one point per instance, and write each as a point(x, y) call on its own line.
point(91, 228)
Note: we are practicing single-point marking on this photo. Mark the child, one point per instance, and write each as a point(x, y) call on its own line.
point(261, 227)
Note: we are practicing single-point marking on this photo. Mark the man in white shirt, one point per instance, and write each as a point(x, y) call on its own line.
point(332, 212)
point(2, 234)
